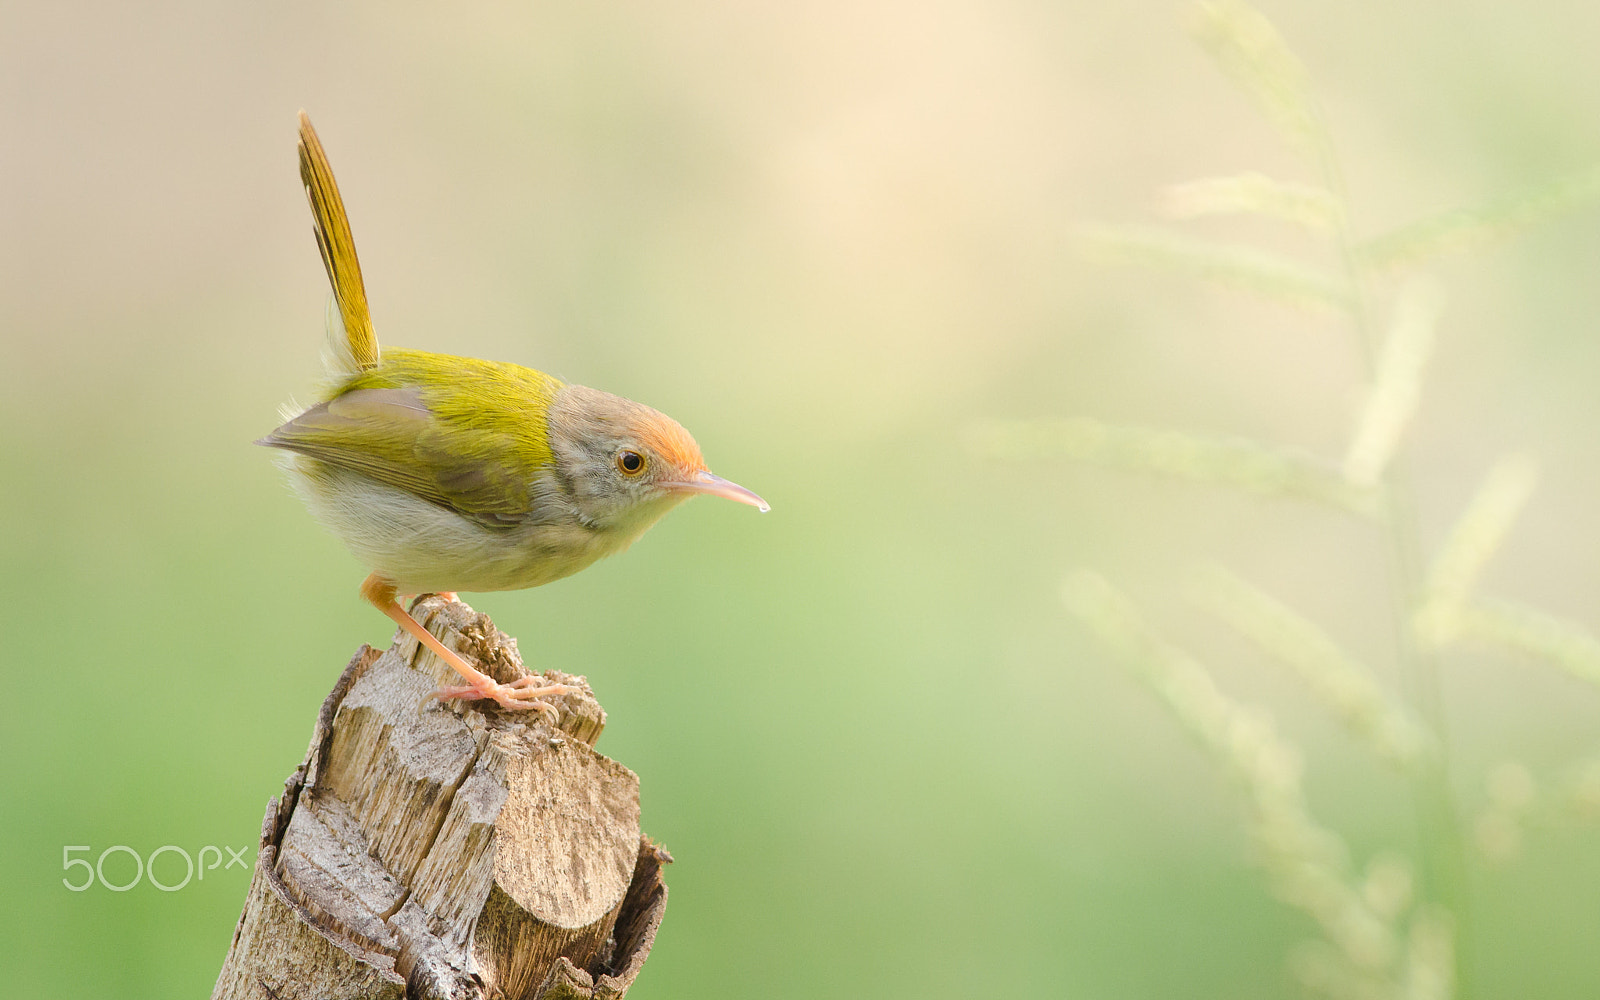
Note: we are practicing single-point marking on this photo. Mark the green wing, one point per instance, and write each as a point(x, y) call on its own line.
point(467, 435)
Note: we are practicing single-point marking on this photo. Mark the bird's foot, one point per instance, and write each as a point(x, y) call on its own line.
point(521, 695)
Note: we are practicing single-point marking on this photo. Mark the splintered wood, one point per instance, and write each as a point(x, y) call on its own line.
point(434, 850)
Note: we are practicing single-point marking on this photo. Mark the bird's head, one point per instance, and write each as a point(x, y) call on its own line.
point(624, 464)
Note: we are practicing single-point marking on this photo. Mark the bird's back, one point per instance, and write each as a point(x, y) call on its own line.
point(468, 393)
point(465, 434)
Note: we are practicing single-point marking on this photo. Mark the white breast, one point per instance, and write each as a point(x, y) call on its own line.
point(425, 548)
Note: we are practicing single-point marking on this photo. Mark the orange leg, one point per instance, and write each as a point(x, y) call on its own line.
point(520, 694)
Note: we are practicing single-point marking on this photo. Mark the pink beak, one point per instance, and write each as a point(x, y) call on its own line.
point(705, 482)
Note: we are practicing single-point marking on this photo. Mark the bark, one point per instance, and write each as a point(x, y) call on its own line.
point(441, 850)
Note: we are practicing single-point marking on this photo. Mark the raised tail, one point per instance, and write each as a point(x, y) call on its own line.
point(357, 349)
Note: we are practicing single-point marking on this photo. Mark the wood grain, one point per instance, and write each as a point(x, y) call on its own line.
point(426, 849)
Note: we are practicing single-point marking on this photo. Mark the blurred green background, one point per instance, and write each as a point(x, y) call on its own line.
point(825, 237)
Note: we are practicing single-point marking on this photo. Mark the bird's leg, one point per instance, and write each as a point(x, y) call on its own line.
point(519, 694)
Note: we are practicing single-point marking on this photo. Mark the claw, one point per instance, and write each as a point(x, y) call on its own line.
point(530, 680)
point(516, 696)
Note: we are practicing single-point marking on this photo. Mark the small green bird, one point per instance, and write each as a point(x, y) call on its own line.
point(444, 473)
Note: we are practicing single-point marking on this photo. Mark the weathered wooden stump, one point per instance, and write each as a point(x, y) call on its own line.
point(429, 850)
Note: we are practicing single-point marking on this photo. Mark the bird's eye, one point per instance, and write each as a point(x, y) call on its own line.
point(630, 462)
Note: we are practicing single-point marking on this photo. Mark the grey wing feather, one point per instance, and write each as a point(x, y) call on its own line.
point(392, 436)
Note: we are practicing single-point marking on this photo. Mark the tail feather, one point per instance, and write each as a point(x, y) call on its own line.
point(357, 349)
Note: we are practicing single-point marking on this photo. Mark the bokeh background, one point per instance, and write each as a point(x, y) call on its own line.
point(826, 237)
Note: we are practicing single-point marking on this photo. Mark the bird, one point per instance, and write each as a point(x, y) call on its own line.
point(444, 474)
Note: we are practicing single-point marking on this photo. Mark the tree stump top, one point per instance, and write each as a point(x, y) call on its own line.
point(428, 849)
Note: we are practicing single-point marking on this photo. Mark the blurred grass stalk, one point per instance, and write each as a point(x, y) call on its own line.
point(1434, 604)
point(1345, 686)
point(1361, 917)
